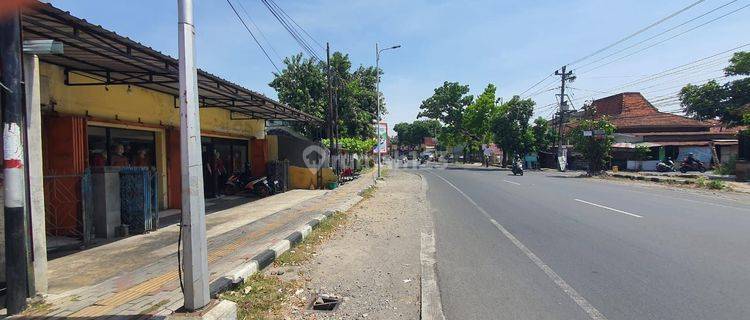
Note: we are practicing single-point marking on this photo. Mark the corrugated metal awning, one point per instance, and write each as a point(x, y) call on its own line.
point(96, 56)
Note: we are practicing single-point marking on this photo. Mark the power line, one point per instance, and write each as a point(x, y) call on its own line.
point(694, 62)
point(657, 35)
point(536, 84)
point(262, 35)
point(644, 29)
point(291, 30)
point(254, 38)
point(297, 24)
point(665, 40)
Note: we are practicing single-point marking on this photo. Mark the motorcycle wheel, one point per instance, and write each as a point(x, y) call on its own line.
point(231, 190)
point(521, 173)
point(702, 169)
point(683, 170)
point(263, 191)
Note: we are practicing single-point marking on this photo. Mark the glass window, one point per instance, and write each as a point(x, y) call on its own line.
point(121, 147)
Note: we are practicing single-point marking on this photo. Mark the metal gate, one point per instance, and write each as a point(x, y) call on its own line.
point(69, 206)
point(139, 199)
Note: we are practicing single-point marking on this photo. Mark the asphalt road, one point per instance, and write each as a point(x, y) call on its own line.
point(543, 246)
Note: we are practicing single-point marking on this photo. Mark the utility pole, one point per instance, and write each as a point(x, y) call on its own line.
point(16, 227)
point(377, 97)
point(564, 77)
point(330, 104)
point(195, 253)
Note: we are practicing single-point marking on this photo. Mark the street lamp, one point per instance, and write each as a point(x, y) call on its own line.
point(377, 90)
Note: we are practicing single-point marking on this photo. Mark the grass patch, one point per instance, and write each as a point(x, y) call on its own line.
point(305, 250)
point(261, 297)
point(368, 193)
point(710, 184)
point(38, 307)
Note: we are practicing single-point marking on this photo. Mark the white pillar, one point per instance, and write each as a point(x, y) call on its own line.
point(195, 256)
point(36, 175)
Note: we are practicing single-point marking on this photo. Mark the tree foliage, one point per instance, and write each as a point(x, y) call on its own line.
point(303, 84)
point(447, 105)
point(510, 127)
point(596, 150)
point(543, 134)
point(355, 145)
point(477, 116)
point(727, 102)
point(413, 134)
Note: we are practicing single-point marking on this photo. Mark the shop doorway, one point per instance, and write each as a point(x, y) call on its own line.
point(221, 158)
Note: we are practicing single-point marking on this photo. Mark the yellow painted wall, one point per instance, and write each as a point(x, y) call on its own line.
point(305, 178)
point(149, 106)
point(134, 105)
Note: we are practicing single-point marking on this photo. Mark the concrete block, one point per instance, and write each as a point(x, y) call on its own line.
point(220, 310)
point(106, 189)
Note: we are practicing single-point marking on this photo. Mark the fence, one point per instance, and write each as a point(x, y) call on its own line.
point(69, 206)
point(139, 199)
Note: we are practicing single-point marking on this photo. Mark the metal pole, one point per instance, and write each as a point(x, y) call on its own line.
point(16, 230)
point(195, 257)
point(377, 97)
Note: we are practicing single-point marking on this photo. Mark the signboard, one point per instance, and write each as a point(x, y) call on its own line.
point(382, 145)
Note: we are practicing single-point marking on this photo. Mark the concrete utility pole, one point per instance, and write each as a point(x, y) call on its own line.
point(564, 77)
point(195, 253)
point(16, 226)
point(330, 105)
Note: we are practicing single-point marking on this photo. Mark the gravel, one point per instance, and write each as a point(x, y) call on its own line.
point(373, 262)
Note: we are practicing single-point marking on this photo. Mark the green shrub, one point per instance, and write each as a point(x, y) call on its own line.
point(726, 168)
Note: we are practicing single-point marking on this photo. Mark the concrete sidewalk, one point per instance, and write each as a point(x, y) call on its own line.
point(137, 278)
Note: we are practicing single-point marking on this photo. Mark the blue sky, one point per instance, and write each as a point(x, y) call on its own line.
point(512, 44)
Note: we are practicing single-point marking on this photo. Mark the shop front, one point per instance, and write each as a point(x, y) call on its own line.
point(110, 129)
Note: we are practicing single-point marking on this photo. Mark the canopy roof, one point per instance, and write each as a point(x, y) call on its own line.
point(103, 57)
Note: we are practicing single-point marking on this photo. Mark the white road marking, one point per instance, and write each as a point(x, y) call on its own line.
point(512, 182)
point(608, 208)
point(593, 313)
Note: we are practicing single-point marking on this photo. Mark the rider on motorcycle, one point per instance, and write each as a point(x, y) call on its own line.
point(691, 159)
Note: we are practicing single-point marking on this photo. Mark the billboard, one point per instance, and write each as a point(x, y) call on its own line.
point(382, 145)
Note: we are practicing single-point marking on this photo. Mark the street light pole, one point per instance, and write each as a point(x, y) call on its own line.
point(193, 224)
point(377, 91)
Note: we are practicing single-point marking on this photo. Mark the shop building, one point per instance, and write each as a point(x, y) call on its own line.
point(110, 104)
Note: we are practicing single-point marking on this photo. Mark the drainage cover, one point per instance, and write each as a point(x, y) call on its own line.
point(324, 302)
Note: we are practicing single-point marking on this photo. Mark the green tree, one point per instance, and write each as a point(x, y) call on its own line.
point(727, 102)
point(302, 84)
point(596, 149)
point(413, 134)
point(544, 135)
point(477, 116)
point(447, 105)
point(510, 127)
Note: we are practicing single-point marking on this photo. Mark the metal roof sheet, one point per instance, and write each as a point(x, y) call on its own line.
point(106, 58)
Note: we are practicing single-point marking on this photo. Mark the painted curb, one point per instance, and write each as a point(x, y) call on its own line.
point(269, 255)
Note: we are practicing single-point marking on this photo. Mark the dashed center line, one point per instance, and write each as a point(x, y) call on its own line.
point(512, 182)
point(608, 208)
point(584, 304)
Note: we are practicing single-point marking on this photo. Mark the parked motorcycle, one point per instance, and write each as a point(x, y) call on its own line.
point(696, 165)
point(665, 166)
point(259, 186)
